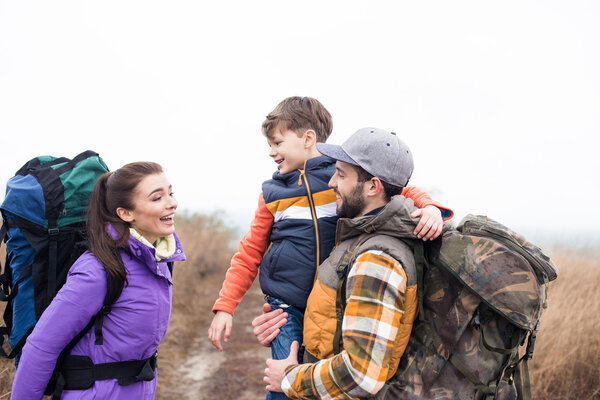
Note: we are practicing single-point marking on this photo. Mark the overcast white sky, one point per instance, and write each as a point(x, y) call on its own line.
point(499, 101)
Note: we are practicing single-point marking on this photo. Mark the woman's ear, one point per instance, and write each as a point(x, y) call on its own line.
point(125, 214)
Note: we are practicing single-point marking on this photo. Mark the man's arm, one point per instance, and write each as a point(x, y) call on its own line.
point(375, 307)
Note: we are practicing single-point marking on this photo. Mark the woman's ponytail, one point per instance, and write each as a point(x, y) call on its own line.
point(102, 244)
point(114, 190)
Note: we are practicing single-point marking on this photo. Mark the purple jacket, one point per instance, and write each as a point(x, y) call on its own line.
point(132, 331)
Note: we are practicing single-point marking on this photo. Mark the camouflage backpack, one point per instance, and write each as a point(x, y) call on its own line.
point(481, 291)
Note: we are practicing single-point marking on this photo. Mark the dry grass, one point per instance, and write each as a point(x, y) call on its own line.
point(207, 243)
point(566, 363)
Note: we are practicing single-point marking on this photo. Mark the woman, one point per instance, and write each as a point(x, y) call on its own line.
point(132, 237)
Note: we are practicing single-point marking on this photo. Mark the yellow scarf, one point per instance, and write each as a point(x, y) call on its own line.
point(164, 247)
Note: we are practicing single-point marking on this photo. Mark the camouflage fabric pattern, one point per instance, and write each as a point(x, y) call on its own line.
point(501, 277)
point(482, 296)
point(482, 225)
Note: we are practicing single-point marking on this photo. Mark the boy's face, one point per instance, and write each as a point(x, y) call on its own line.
point(288, 150)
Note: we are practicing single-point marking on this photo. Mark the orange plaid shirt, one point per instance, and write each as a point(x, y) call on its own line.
point(376, 289)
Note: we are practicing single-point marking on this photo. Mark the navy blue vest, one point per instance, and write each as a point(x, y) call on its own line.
point(303, 232)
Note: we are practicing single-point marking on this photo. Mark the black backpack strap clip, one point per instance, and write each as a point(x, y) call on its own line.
point(146, 373)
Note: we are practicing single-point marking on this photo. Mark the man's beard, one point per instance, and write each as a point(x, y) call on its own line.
point(353, 204)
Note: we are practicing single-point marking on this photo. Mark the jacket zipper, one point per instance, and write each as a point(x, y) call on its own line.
point(313, 211)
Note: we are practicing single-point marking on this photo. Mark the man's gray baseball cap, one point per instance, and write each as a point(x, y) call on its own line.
point(377, 151)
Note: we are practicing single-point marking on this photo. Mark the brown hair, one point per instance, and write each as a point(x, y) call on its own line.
point(113, 190)
point(299, 114)
point(389, 190)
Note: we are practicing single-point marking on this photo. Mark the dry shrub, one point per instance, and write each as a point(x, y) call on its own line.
point(566, 362)
point(207, 243)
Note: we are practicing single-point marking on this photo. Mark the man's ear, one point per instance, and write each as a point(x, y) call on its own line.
point(125, 214)
point(373, 187)
point(310, 138)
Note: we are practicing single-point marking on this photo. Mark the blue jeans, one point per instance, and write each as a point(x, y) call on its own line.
point(290, 332)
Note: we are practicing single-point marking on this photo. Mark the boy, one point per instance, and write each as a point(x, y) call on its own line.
point(297, 215)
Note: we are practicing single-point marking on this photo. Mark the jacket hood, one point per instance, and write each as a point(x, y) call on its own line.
point(394, 220)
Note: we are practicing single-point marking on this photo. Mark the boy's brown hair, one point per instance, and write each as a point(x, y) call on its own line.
point(299, 114)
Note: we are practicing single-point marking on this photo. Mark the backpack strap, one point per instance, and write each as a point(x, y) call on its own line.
point(522, 383)
point(521, 369)
point(419, 254)
point(64, 376)
point(6, 275)
point(35, 162)
point(8, 316)
point(77, 159)
point(6, 294)
point(53, 232)
point(342, 269)
point(423, 253)
point(114, 289)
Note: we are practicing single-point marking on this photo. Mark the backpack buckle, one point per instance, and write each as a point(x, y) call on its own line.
point(341, 270)
point(476, 321)
point(530, 347)
point(53, 231)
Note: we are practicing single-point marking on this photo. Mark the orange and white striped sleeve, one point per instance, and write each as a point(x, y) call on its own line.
point(245, 263)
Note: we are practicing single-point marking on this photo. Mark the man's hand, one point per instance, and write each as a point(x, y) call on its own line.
point(221, 320)
point(276, 369)
point(431, 223)
point(266, 327)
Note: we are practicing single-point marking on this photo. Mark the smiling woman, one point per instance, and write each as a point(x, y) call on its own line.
point(154, 209)
point(132, 239)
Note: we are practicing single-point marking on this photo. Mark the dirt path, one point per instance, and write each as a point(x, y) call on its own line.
point(235, 373)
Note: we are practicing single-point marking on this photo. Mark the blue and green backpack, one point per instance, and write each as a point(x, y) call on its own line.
point(43, 227)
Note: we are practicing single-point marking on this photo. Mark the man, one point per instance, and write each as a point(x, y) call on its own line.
point(369, 278)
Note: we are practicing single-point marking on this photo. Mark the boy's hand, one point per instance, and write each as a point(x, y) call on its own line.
point(221, 320)
point(266, 327)
point(431, 223)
